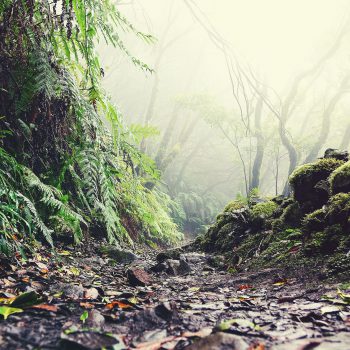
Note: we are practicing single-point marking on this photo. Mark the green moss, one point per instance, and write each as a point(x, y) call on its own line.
point(326, 242)
point(338, 209)
point(340, 179)
point(264, 209)
point(234, 205)
point(305, 178)
point(314, 221)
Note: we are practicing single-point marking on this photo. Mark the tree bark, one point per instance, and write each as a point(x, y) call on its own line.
point(260, 148)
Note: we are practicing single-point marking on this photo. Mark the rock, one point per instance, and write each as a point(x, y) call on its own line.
point(217, 261)
point(173, 254)
point(138, 277)
point(306, 182)
point(193, 258)
point(95, 319)
point(122, 256)
point(219, 341)
point(147, 319)
point(337, 154)
point(71, 291)
point(230, 229)
point(160, 267)
point(177, 267)
point(165, 311)
point(340, 179)
point(88, 340)
point(91, 293)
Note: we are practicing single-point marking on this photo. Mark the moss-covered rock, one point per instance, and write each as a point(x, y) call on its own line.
point(264, 209)
point(229, 230)
point(340, 179)
point(290, 217)
point(234, 205)
point(338, 210)
point(308, 182)
point(314, 221)
point(325, 242)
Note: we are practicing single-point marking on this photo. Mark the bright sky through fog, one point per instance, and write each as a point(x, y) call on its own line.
point(280, 37)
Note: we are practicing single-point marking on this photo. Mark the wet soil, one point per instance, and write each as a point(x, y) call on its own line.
point(87, 301)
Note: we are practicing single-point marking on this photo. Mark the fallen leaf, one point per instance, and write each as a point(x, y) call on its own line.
point(26, 299)
point(240, 322)
point(118, 303)
point(6, 311)
point(47, 307)
point(259, 346)
point(280, 283)
point(344, 297)
point(64, 252)
point(244, 287)
point(75, 271)
point(6, 300)
point(87, 305)
point(329, 309)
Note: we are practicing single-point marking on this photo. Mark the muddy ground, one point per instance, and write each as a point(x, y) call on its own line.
point(88, 301)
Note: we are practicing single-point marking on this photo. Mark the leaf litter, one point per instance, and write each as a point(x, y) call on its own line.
point(80, 300)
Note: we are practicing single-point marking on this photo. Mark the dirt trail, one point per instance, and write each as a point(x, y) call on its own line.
point(88, 304)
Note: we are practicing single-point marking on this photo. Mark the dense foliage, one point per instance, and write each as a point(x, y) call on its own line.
point(68, 164)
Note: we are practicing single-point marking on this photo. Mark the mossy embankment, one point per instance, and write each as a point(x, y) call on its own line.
point(310, 230)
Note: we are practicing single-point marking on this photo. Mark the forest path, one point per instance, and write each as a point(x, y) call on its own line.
point(187, 305)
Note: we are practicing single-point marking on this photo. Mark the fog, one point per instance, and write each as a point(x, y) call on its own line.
point(242, 92)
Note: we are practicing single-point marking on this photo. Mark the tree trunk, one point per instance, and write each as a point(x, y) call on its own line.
point(260, 148)
point(326, 123)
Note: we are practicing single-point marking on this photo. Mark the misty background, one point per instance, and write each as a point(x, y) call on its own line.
point(242, 92)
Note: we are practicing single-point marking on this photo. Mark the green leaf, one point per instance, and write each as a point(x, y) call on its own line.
point(84, 316)
point(240, 322)
point(26, 299)
point(6, 311)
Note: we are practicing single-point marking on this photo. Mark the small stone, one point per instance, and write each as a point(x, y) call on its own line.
point(138, 277)
point(91, 293)
point(71, 291)
point(173, 254)
point(219, 341)
point(177, 267)
point(165, 311)
point(95, 319)
point(122, 256)
point(159, 267)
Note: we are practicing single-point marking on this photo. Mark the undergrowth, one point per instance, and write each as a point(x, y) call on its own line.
point(68, 164)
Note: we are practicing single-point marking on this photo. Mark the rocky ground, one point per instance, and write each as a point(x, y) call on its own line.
point(173, 301)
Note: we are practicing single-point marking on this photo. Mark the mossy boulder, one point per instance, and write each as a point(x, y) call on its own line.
point(264, 209)
point(336, 154)
point(340, 179)
point(314, 221)
point(290, 216)
point(261, 213)
point(309, 182)
point(338, 210)
point(230, 229)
